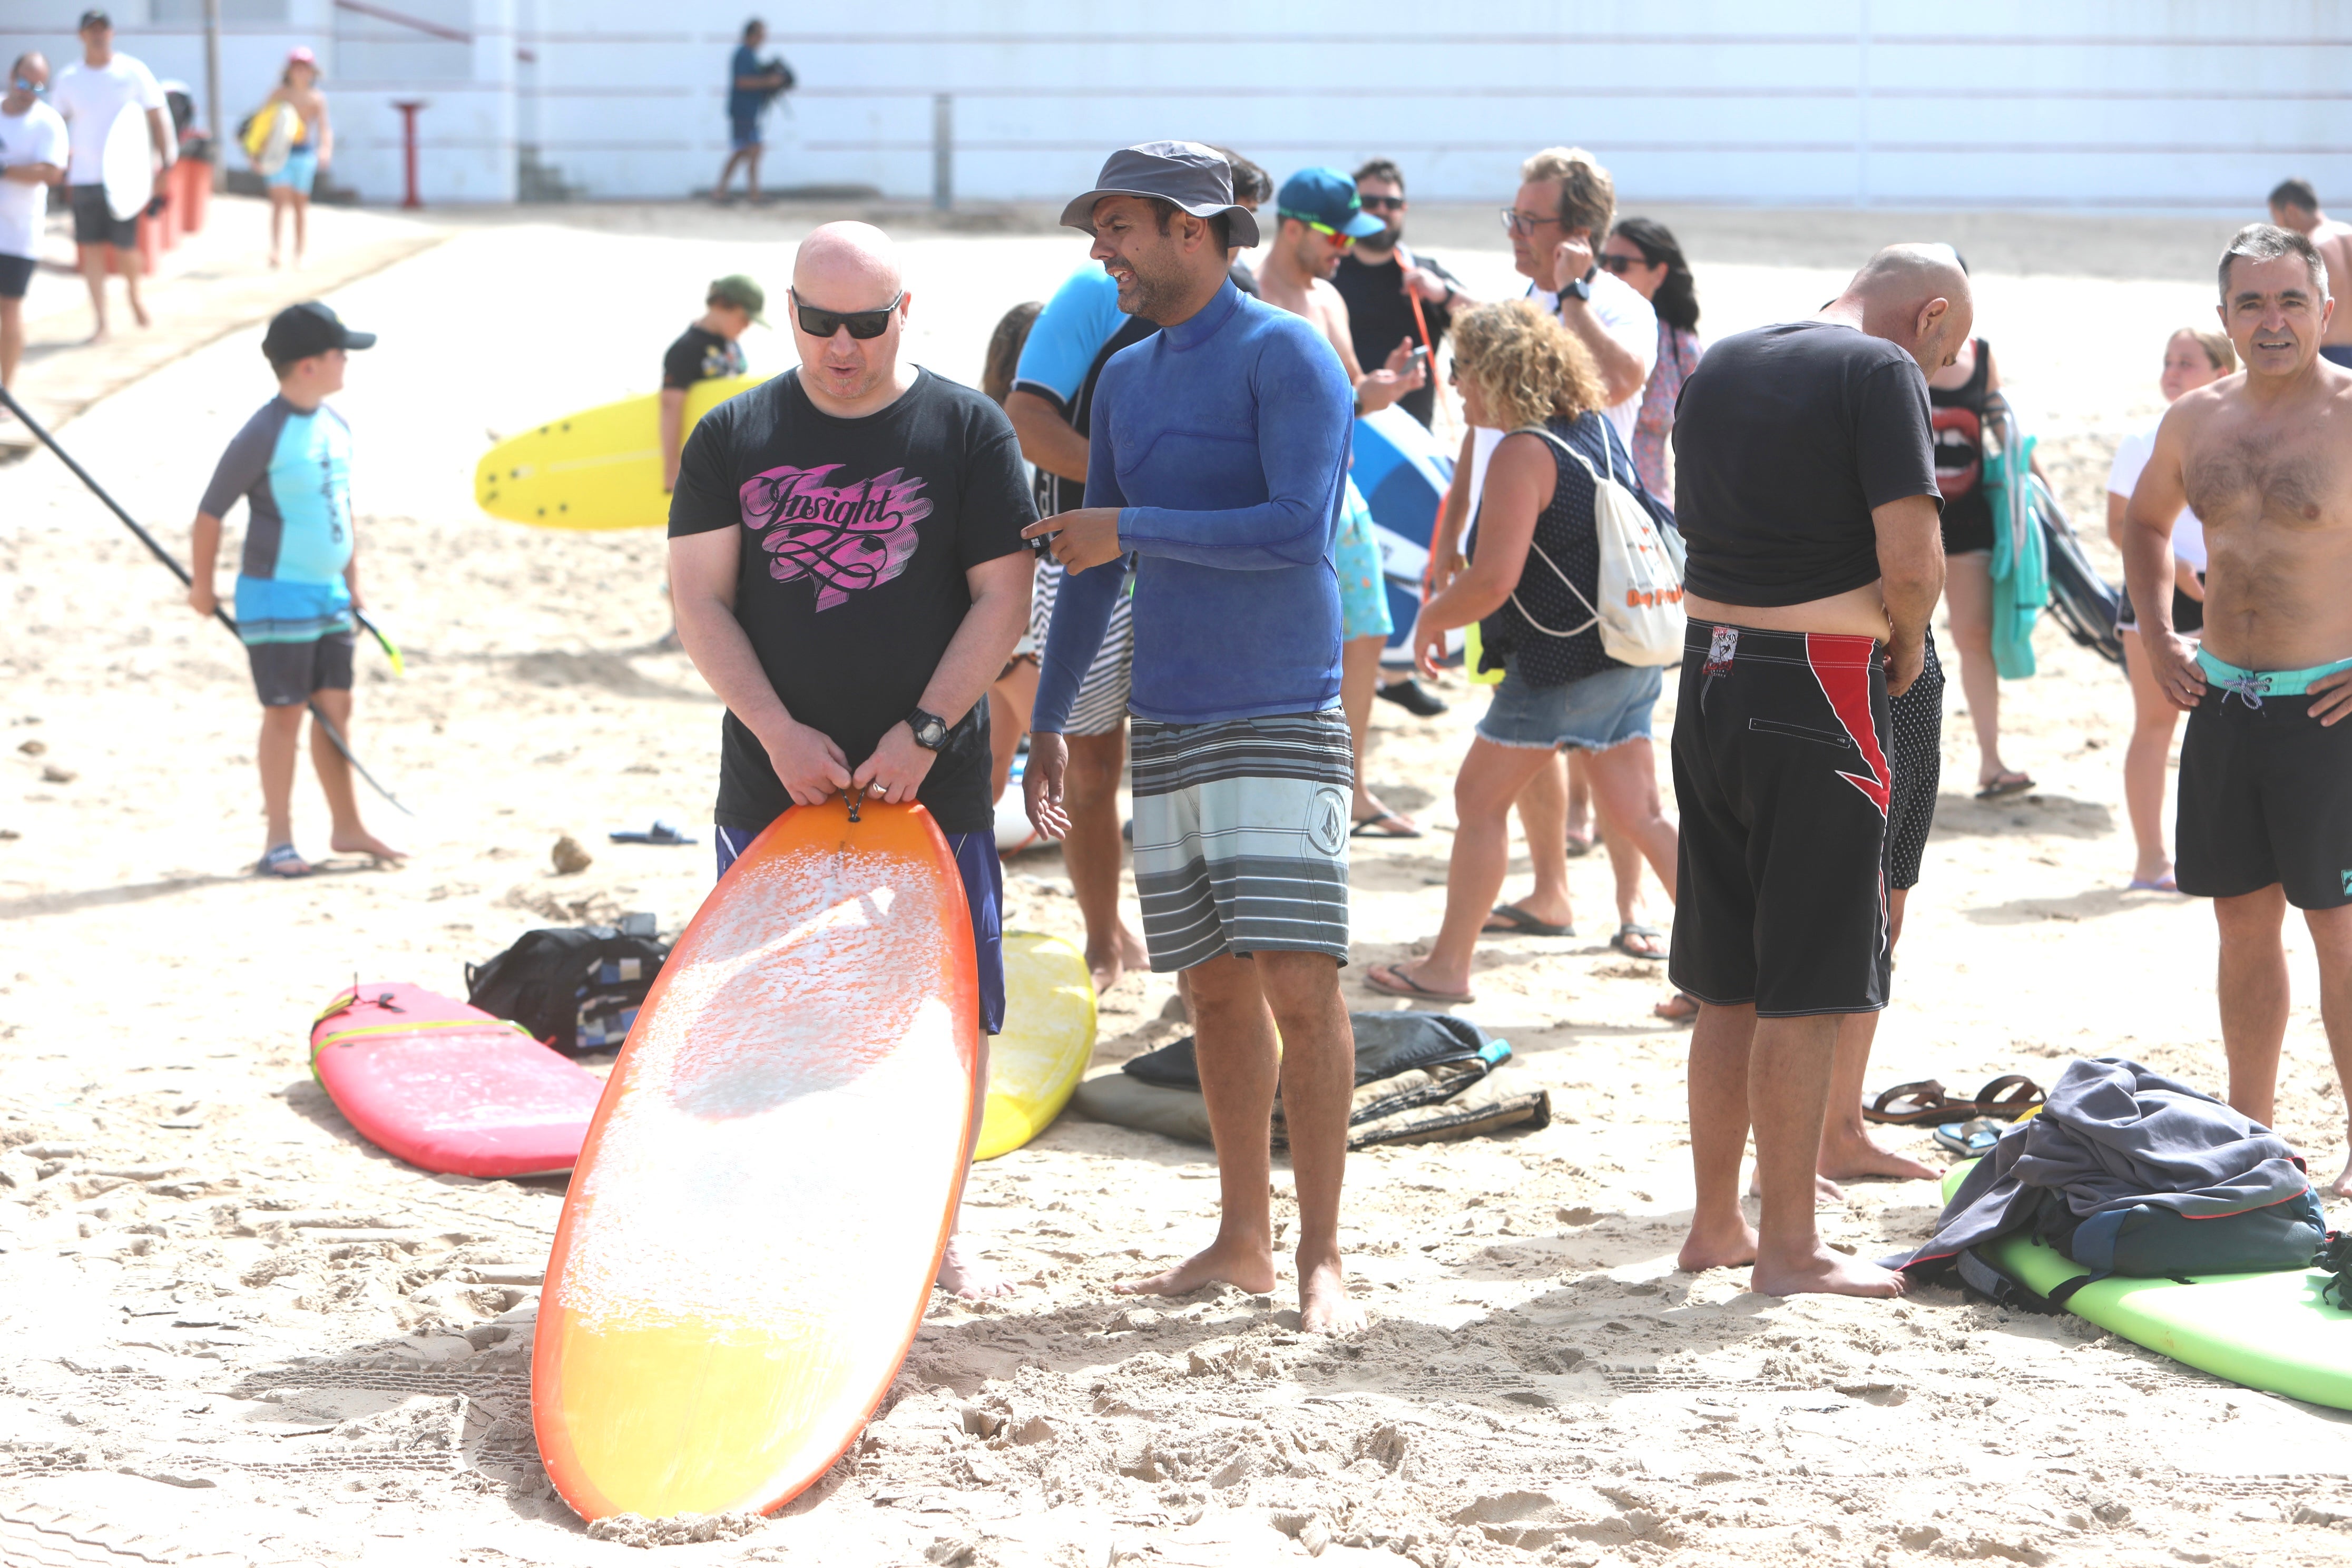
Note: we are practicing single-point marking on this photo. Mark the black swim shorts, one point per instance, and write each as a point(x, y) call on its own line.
point(286, 673)
point(1780, 769)
point(15, 276)
point(95, 223)
point(2264, 798)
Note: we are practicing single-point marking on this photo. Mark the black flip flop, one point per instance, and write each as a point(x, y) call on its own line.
point(661, 832)
point(1517, 921)
point(1909, 1104)
point(1632, 929)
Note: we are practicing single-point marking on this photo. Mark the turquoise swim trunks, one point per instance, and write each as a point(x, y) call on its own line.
point(1363, 596)
point(2256, 684)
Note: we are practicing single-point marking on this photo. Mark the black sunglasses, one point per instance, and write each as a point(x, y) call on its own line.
point(862, 324)
point(1382, 203)
point(1620, 265)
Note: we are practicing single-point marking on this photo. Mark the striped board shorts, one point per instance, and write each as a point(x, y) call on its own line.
point(1101, 703)
point(1241, 836)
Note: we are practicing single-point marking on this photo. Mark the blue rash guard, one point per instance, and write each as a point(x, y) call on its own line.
point(293, 467)
point(1223, 441)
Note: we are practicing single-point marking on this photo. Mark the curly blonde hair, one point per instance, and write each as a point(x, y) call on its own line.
point(1526, 366)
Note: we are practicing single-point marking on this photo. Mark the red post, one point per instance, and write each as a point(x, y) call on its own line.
point(408, 149)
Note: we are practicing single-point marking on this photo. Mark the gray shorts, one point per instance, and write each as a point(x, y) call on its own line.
point(286, 673)
point(1100, 705)
point(1241, 836)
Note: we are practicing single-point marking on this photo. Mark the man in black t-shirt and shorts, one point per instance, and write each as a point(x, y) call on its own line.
point(846, 559)
point(1809, 509)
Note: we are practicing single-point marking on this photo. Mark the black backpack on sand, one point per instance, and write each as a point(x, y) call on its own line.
point(575, 988)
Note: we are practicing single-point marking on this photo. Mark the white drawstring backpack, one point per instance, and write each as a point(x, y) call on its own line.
point(1641, 582)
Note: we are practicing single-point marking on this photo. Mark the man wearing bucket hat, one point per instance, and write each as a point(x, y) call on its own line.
point(707, 351)
point(1217, 460)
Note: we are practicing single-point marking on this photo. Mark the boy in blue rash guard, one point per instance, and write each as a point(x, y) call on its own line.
point(1218, 460)
point(296, 584)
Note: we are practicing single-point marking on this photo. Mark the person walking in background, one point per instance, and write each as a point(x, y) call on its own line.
point(1242, 765)
point(752, 84)
point(1963, 395)
point(1557, 224)
point(297, 582)
point(313, 150)
point(1645, 254)
point(1379, 281)
point(89, 93)
point(1535, 571)
point(2191, 359)
point(34, 149)
point(1321, 217)
point(1015, 691)
point(1808, 491)
point(2295, 206)
point(710, 348)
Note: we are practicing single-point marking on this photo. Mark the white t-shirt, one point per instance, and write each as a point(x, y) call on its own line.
point(36, 136)
point(1624, 315)
point(89, 97)
point(2131, 456)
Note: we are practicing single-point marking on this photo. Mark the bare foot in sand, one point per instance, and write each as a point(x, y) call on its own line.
point(139, 314)
point(2341, 1187)
point(1324, 1307)
point(1108, 969)
point(966, 1273)
point(1824, 1273)
point(365, 843)
point(1716, 1247)
point(1847, 1155)
point(1221, 1262)
point(1825, 1190)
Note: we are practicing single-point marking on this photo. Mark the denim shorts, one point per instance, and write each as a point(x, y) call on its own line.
point(1594, 714)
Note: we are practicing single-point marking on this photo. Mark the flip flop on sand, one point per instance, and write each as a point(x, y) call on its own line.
point(1909, 1104)
point(1682, 1007)
point(2005, 785)
point(1387, 979)
point(2164, 884)
point(1386, 825)
point(1579, 845)
point(1517, 921)
point(1624, 942)
point(283, 860)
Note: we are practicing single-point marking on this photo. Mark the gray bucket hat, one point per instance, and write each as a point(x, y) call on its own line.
point(1195, 177)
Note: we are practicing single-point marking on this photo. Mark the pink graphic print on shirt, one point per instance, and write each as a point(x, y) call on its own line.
point(843, 538)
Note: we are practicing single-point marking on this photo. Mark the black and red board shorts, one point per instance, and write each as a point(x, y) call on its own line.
point(1781, 772)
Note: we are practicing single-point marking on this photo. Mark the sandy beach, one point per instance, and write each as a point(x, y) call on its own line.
point(238, 1333)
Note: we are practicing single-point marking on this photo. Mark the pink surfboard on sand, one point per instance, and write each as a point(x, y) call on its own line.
point(447, 1087)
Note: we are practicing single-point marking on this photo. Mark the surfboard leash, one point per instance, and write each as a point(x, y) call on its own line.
point(318, 716)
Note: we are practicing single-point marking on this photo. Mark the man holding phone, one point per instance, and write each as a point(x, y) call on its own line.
point(1382, 281)
point(1322, 218)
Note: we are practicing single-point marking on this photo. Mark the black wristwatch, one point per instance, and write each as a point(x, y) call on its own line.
point(930, 730)
point(1580, 289)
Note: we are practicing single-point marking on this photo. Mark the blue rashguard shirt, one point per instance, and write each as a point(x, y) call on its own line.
point(1223, 441)
point(1082, 316)
point(294, 470)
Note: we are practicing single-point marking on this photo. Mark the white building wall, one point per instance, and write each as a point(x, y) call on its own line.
point(2156, 104)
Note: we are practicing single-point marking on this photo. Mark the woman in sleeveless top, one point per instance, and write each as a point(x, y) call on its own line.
point(313, 150)
point(1533, 575)
point(2191, 359)
point(1961, 394)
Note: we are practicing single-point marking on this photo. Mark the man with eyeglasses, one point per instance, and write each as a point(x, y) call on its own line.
point(34, 144)
point(1557, 224)
point(1380, 279)
point(1217, 461)
point(849, 574)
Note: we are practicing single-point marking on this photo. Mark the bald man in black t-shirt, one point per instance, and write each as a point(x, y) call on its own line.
point(1809, 505)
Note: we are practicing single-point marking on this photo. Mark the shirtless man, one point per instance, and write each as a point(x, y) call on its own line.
point(2295, 205)
point(2265, 460)
point(1321, 217)
point(1810, 508)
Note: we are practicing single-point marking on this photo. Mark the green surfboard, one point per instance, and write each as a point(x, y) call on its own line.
point(2270, 1331)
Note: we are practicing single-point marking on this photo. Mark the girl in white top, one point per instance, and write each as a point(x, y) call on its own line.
point(2191, 359)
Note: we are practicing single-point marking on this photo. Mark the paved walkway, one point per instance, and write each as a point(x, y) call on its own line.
point(212, 284)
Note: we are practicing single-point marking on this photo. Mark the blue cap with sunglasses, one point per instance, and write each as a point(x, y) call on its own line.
point(1327, 198)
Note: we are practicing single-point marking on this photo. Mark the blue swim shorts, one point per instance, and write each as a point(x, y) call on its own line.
point(298, 173)
point(983, 891)
point(1603, 709)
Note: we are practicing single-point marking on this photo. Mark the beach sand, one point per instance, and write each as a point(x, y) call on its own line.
point(238, 1333)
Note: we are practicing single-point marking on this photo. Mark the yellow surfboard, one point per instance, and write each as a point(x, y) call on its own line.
point(1034, 1067)
point(598, 469)
point(749, 1237)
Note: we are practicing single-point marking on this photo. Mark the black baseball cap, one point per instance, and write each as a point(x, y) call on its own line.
point(1192, 175)
point(94, 17)
point(310, 328)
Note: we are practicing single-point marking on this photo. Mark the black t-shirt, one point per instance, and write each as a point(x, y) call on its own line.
point(1380, 316)
point(856, 534)
point(1785, 439)
point(700, 355)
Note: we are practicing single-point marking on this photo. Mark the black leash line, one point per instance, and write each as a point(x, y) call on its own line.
point(318, 716)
